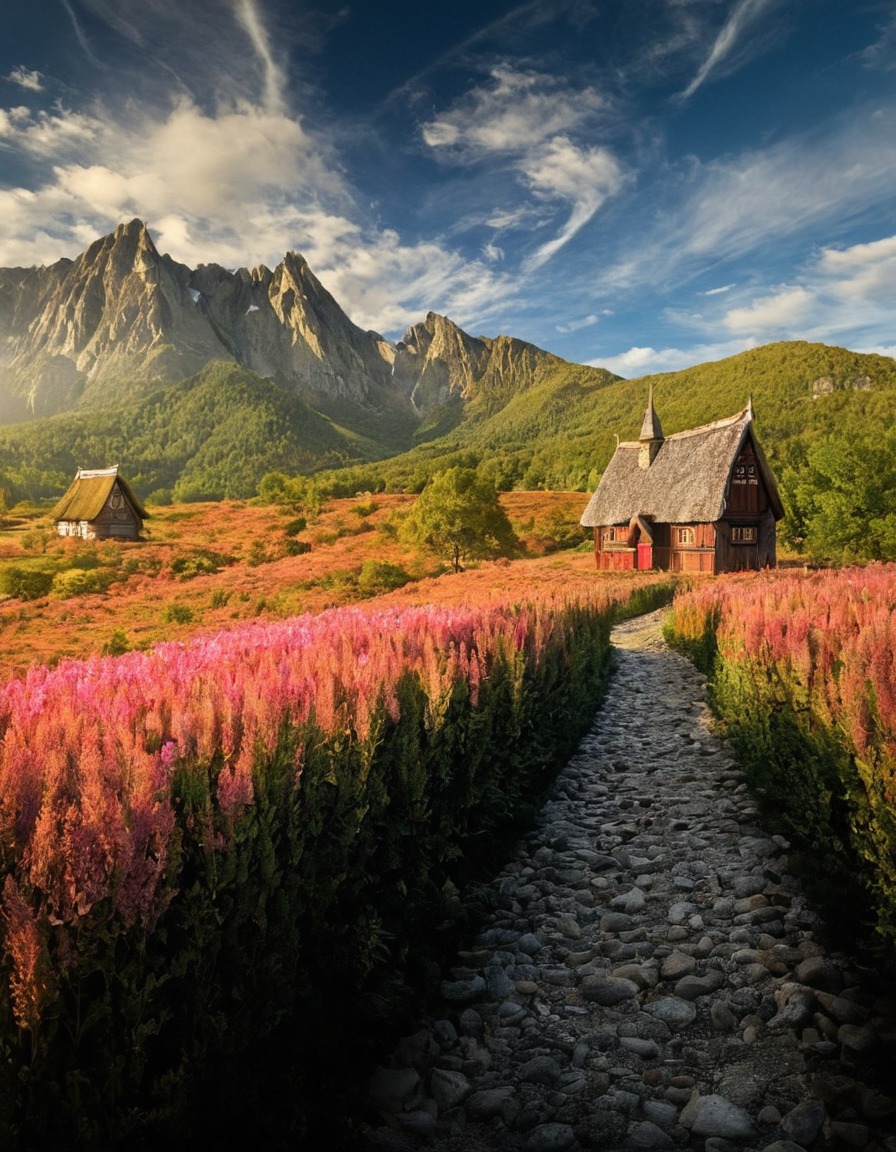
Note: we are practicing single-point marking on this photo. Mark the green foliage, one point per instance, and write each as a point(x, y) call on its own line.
point(843, 496)
point(200, 562)
point(378, 576)
point(117, 644)
point(25, 582)
point(177, 613)
point(458, 514)
point(81, 582)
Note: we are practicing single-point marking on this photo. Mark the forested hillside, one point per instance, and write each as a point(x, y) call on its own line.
point(824, 416)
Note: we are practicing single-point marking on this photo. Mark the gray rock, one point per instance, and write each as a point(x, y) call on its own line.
point(715, 1116)
point(550, 1138)
point(693, 987)
point(489, 1102)
point(448, 1088)
point(803, 1123)
point(540, 1070)
point(607, 990)
point(673, 1011)
point(463, 991)
point(645, 1136)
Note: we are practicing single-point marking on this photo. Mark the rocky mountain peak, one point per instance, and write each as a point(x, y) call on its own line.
point(121, 320)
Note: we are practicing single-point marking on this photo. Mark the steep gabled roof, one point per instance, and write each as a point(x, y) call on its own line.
point(88, 493)
point(687, 481)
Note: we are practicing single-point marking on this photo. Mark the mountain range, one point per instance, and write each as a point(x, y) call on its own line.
point(198, 381)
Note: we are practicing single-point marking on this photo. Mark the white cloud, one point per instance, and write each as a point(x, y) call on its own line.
point(577, 325)
point(864, 272)
point(26, 78)
point(646, 361)
point(744, 13)
point(527, 119)
point(718, 291)
point(882, 54)
point(517, 113)
point(755, 203)
point(781, 312)
point(584, 177)
point(839, 296)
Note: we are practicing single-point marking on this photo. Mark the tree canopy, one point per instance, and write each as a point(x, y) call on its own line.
point(843, 497)
point(458, 514)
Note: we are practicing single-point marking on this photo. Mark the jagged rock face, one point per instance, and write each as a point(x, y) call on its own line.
point(80, 332)
point(122, 320)
point(440, 364)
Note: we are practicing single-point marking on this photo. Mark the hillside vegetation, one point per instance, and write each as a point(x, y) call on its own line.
point(823, 415)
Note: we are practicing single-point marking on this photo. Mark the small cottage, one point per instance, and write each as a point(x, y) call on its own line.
point(704, 500)
point(98, 504)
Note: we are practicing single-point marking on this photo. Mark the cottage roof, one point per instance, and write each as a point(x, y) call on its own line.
point(88, 493)
point(686, 483)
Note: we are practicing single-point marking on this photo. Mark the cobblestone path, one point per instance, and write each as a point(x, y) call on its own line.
point(651, 976)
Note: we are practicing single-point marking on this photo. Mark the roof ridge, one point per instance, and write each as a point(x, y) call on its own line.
point(744, 416)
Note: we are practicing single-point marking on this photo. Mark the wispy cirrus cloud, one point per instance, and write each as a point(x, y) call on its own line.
point(727, 47)
point(840, 294)
point(749, 205)
point(529, 121)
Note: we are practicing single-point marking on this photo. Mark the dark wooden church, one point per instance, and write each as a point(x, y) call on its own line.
point(99, 504)
point(704, 500)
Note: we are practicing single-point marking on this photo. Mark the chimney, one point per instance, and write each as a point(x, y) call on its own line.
point(651, 438)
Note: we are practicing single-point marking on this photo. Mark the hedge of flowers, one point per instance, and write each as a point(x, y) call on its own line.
point(199, 842)
point(803, 670)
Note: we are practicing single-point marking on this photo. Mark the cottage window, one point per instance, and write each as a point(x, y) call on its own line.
point(743, 534)
point(685, 535)
point(609, 535)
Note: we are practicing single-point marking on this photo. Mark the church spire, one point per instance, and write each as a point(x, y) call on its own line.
point(651, 437)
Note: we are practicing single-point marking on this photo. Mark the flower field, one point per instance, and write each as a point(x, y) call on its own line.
point(204, 567)
point(804, 677)
point(201, 840)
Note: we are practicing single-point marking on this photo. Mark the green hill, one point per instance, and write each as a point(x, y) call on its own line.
point(216, 434)
point(561, 433)
point(210, 437)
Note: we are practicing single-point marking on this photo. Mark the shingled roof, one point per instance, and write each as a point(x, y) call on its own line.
point(686, 483)
point(88, 492)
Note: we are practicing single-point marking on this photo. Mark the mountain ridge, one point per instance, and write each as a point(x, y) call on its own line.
point(122, 320)
point(281, 379)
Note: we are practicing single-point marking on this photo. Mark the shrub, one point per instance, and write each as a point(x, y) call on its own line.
point(378, 576)
point(24, 583)
point(78, 582)
point(178, 614)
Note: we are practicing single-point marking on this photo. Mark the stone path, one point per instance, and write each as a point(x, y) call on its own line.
point(651, 977)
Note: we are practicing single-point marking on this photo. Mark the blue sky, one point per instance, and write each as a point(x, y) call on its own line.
point(638, 184)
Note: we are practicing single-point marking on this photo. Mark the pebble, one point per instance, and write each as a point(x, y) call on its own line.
point(650, 975)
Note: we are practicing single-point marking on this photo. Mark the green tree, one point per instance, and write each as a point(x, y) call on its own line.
point(458, 513)
point(843, 499)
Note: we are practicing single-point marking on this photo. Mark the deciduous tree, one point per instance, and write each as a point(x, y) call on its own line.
point(459, 514)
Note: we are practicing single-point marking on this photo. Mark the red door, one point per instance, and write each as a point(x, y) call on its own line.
point(645, 556)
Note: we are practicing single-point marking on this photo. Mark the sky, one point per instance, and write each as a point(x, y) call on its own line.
point(636, 184)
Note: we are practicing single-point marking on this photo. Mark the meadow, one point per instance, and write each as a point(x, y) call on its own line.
point(253, 765)
point(204, 567)
point(250, 830)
